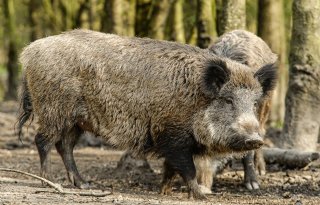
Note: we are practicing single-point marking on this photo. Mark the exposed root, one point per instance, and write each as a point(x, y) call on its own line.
point(57, 187)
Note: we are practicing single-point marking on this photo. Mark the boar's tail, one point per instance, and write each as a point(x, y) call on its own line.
point(25, 107)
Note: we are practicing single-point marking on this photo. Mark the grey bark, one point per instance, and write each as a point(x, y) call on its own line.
point(233, 16)
point(289, 158)
point(302, 117)
point(205, 23)
point(271, 30)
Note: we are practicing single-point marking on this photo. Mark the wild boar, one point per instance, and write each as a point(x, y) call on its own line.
point(248, 49)
point(151, 97)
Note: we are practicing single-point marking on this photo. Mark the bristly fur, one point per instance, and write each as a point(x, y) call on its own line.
point(139, 94)
point(215, 75)
point(267, 76)
point(25, 108)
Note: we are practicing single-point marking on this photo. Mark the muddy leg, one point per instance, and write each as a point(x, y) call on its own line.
point(250, 177)
point(44, 145)
point(204, 167)
point(65, 149)
point(260, 164)
point(168, 177)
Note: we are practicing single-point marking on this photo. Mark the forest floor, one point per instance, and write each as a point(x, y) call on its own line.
point(98, 165)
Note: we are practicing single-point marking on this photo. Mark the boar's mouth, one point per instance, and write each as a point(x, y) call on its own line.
point(245, 143)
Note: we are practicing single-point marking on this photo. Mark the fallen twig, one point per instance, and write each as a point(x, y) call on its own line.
point(57, 187)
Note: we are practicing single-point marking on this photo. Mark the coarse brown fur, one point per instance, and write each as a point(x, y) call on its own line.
point(152, 97)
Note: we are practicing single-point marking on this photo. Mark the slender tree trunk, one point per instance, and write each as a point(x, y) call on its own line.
point(302, 116)
point(78, 17)
point(205, 23)
point(143, 11)
point(158, 19)
point(34, 19)
point(178, 27)
point(129, 16)
point(233, 15)
point(252, 15)
point(271, 30)
point(53, 17)
point(192, 40)
point(12, 62)
point(113, 20)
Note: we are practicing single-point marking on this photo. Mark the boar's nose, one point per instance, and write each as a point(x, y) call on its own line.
point(248, 123)
point(254, 142)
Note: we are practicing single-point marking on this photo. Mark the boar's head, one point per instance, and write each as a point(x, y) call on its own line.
point(230, 123)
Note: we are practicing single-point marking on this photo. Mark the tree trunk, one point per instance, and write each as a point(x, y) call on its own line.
point(205, 23)
point(233, 16)
point(129, 17)
point(252, 15)
point(12, 62)
point(113, 20)
point(178, 27)
point(271, 30)
point(143, 8)
point(302, 116)
point(53, 17)
point(78, 17)
point(158, 19)
point(289, 158)
point(34, 20)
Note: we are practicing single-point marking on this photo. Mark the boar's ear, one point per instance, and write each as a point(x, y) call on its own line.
point(267, 76)
point(214, 75)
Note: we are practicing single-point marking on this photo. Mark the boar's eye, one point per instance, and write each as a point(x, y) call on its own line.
point(256, 104)
point(229, 100)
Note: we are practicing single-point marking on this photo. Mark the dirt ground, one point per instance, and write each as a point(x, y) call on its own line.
point(134, 186)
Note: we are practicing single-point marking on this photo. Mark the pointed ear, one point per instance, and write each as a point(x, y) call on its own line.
point(267, 76)
point(214, 76)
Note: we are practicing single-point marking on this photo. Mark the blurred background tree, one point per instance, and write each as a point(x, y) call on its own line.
point(196, 22)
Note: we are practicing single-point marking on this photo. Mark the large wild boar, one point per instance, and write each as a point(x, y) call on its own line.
point(152, 97)
point(248, 49)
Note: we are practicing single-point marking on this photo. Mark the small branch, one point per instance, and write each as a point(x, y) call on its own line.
point(289, 157)
point(57, 187)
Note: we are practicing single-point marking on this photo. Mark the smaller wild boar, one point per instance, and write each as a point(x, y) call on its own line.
point(152, 97)
point(248, 49)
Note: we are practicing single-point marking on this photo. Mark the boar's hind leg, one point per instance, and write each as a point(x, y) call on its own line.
point(250, 177)
point(44, 145)
point(168, 177)
point(65, 149)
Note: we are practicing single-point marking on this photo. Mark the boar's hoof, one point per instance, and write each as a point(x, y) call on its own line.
point(77, 181)
point(253, 144)
point(197, 194)
point(205, 189)
point(252, 185)
point(45, 175)
point(166, 190)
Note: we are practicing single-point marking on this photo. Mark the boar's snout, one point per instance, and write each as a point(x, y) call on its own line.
point(253, 142)
point(245, 142)
point(246, 133)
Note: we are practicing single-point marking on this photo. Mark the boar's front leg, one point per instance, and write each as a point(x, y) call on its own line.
point(168, 177)
point(65, 149)
point(182, 163)
point(250, 177)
